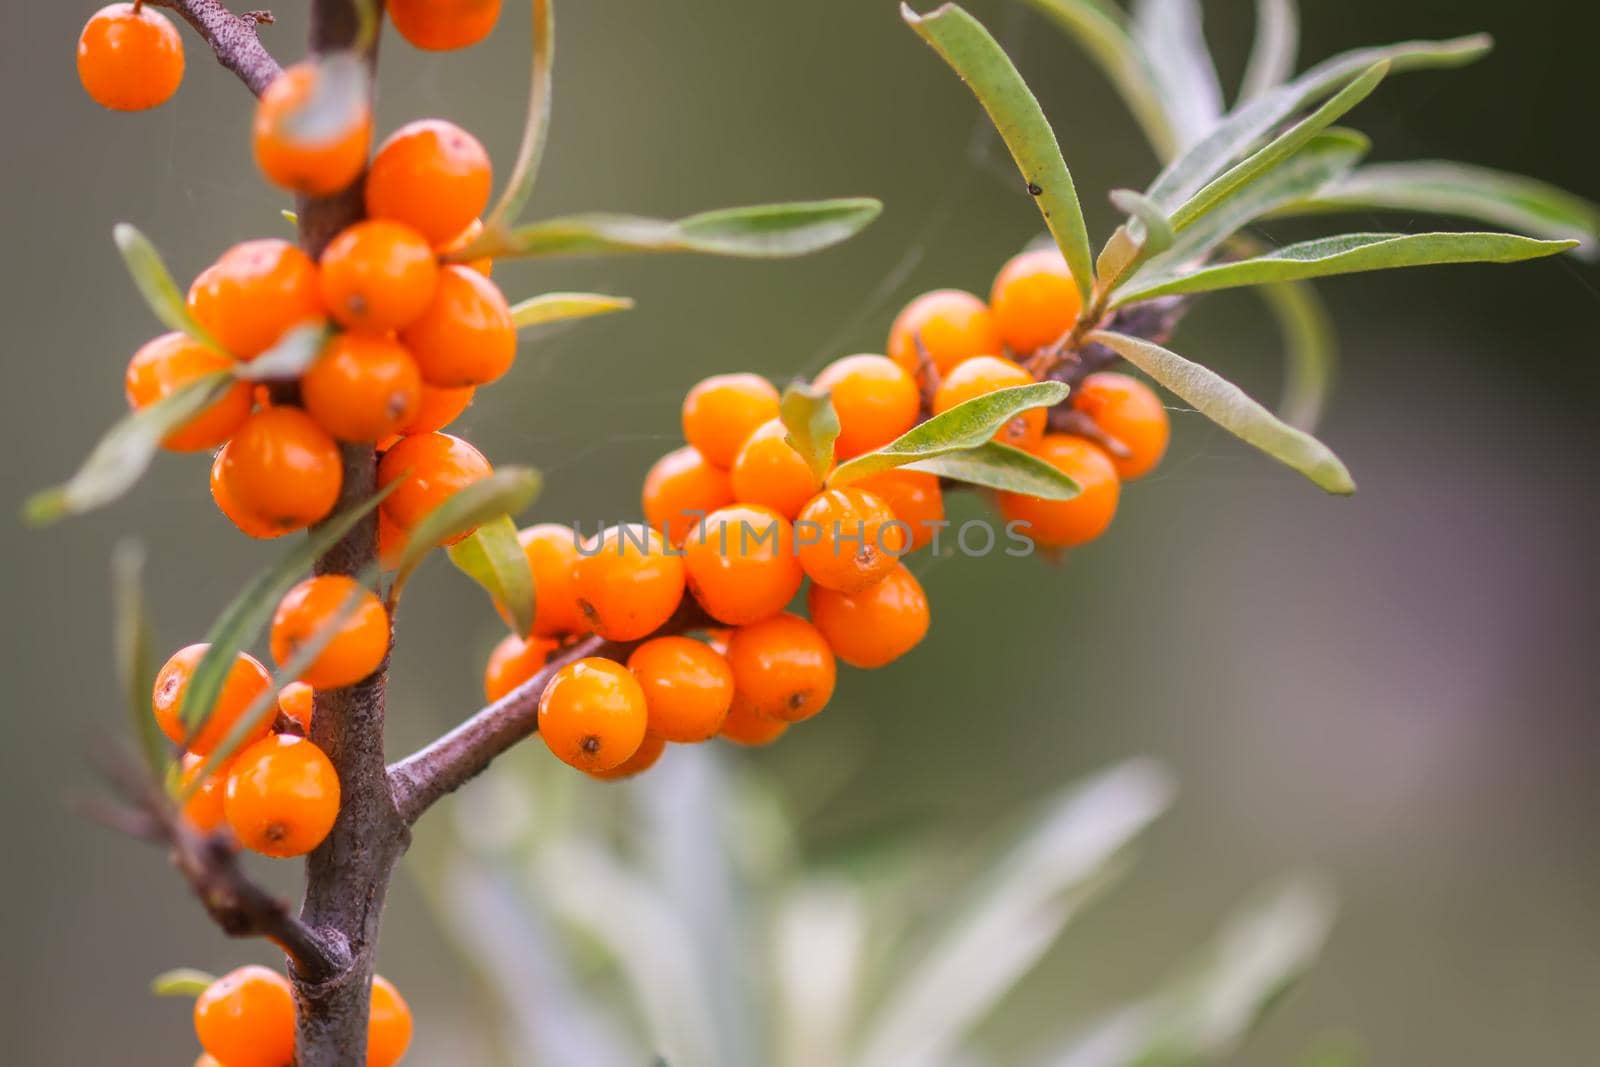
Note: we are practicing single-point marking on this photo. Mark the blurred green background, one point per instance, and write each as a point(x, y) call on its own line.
point(1393, 689)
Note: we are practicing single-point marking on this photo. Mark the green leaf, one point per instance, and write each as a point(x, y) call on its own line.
point(289, 358)
point(971, 52)
point(555, 307)
point(1352, 253)
point(1227, 405)
point(181, 982)
point(155, 284)
point(493, 557)
point(535, 130)
point(1174, 43)
point(1310, 350)
point(812, 424)
point(134, 648)
point(337, 103)
point(291, 217)
point(124, 453)
point(1145, 235)
point(505, 492)
point(997, 466)
point(1273, 52)
point(967, 425)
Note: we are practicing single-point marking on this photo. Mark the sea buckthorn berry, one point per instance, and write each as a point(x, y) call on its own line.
point(646, 756)
point(253, 293)
point(513, 661)
point(247, 679)
point(848, 539)
point(206, 1059)
point(592, 714)
point(163, 366)
point(203, 809)
point(441, 25)
point(875, 626)
point(1034, 300)
point(359, 643)
point(1065, 523)
point(1130, 411)
point(688, 687)
point(377, 276)
point(952, 325)
point(246, 1018)
point(876, 401)
point(626, 582)
point(681, 490)
point(741, 563)
point(253, 525)
point(437, 409)
point(717, 638)
point(914, 497)
point(461, 241)
point(431, 175)
point(283, 468)
point(388, 1024)
point(283, 796)
point(551, 552)
point(129, 57)
point(465, 336)
point(314, 162)
point(985, 374)
point(439, 466)
point(722, 411)
point(782, 668)
point(362, 387)
point(769, 472)
point(744, 727)
point(297, 702)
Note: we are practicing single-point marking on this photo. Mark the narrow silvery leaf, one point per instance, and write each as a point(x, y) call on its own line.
point(505, 492)
point(1310, 350)
point(493, 557)
point(1173, 39)
point(1148, 233)
point(289, 358)
point(181, 982)
point(337, 102)
point(997, 466)
point(133, 646)
point(1276, 46)
point(558, 307)
point(811, 425)
point(154, 280)
point(535, 127)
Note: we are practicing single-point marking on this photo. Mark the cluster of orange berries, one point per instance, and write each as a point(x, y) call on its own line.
point(246, 1019)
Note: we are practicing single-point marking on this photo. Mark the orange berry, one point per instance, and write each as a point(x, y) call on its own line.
point(1130, 411)
point(247, 679)
point(722, 411)
point(626, 582)
point(953, 326)
point(875, 626)
point(465, 336)
point(744, 727)
point(299, 153)
point(741, 564)
point(297, 703)
point(768, 471)
point(163, 366)
point(359, 643)
point(848, 539)
point(1034, 300)
point(914, 497)
point(782, 668)
point(282, 468)
point(203, 809)
point(592, 714)
point(687, 687)
point(130, 57)
point(459, 243)
point(388, 1024)
point(431, 175)
point(377, 276)
point(253, 293)
point(1064, 523)
point(253, 525)
point(362, 387)
point(440, 466)
point(551, 552)
point(646, 756)
point(206, 1059)
point(441, 25)
point(983, 375)
point(437, 409)
point(717, 637)
point(283, 796)
point(876, 401)
point(513, 661)
point(246, 1018)
point(681, 490)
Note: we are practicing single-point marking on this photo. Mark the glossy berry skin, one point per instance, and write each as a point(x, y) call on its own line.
point(431, 175)
point(203, 809)
point(848, 539)
point(255, 292)
point(168, 363)
point(442, 25)
point(359, 644)
point(1034, 300)
point(876, 401)
point(389, 1024)
point(782, 668)
point(129, 59)
point(744, 727)
point(283, 796)
point(513, 662)
point(741, 565)
point(440, 466)
point(875, 626)
point(647, 755)
point(248, 523)
point(953, 326)
point(1130, 411)
point(377, 275)
point(983, 375)
point(1066, 523)
point(437, 409)
point(551, 552)
point(296, 702)
point(722, 411)
point(769, 472)
point(362, 388)
point(627, 583)
point(688, 687)
point(247, 679)
point(283, 469)
point(915, 498)
point(246, 1018)
point(463, 240)
point(316, 166)
point(592, 715)
point(680, 490)
point(465, 336)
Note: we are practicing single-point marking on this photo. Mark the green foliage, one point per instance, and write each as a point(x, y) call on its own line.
point(493, 557)
point(338, 100)
point(535, 128)
point(811, 425)
point(290, 357)
point(154, 281)
point(181, 982)
point(133, 645)
point(993, 465)
point(559, 307)
point(507, 491)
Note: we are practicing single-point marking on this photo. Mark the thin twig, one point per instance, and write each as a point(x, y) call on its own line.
point(234, 38)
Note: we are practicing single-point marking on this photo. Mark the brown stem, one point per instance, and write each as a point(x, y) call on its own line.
point(234, 38)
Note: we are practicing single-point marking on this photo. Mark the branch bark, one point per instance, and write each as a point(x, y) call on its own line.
point(235, 39)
